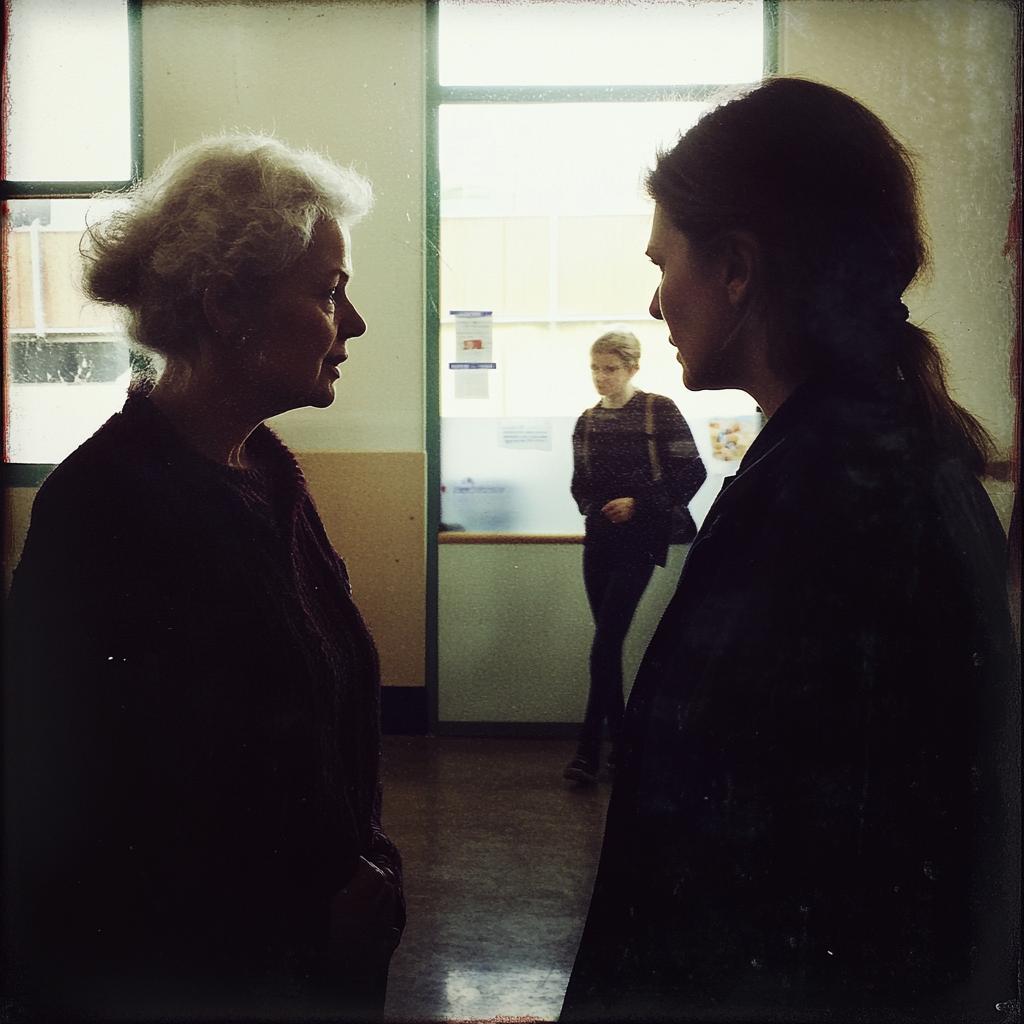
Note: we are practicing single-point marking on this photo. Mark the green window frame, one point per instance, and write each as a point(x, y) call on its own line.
point(436, 96)
point(32, 474)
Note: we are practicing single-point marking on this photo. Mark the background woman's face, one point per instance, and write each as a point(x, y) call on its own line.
point(610, 373)
point(694, 303)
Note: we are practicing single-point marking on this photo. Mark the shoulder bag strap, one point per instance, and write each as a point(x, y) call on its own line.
point(588, 417)
point(652, 447)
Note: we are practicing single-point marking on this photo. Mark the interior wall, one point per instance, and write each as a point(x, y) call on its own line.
point(348, 77)
point(373, 510)
point(940, 74)
point(515, 630)
point(345, 78)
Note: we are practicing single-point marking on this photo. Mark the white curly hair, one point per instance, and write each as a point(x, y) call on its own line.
point(236, 206)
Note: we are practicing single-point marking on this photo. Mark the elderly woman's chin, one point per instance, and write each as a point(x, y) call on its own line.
point(281, 389)
point(323, 395)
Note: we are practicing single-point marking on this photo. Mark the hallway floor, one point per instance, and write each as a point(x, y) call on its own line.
point(500, 855)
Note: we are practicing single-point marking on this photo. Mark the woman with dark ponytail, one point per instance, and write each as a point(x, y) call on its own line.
point(814, 806)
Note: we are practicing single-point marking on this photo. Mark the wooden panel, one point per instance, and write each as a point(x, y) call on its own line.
point(496, 263)
point(458, 537)
point(17, 514)
point(372, 504)
point(18, 281)
point(65, 304)
point(602, 269)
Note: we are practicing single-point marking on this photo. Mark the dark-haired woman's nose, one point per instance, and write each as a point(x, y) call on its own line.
point(656, 304)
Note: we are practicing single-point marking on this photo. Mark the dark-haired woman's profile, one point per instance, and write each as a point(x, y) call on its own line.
point(813, 804)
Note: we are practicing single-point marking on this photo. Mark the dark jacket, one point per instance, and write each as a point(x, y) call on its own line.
point(813, 799)
point(192, 723)
point(612, 459)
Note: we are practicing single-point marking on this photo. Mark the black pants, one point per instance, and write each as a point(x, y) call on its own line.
point(614, 586)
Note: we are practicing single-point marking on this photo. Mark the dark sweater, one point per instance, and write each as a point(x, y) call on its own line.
point(813, 814)
point(192, 722)
point(611, 459)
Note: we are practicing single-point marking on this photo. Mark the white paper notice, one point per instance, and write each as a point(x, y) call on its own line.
point(474, 352)
point(531, 434)
point(471, 384)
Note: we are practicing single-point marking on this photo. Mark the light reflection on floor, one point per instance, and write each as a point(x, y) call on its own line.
point(505, 991)
point(500, 855)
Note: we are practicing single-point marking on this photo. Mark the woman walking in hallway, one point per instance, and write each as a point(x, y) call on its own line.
point(634, 462)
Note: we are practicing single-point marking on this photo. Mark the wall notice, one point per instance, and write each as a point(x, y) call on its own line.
point(730, 438)
point(531, 434)
point(474, 352)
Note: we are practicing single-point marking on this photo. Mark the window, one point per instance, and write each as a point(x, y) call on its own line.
point(72, 131)
point(548, 115)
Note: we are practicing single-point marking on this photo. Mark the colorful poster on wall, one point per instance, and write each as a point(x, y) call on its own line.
point(731, 437)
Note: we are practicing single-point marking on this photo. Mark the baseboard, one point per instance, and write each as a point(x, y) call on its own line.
point(510, 730)
point(403, 710)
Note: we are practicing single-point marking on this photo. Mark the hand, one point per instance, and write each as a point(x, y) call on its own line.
point(619, 510)
point(364, 922)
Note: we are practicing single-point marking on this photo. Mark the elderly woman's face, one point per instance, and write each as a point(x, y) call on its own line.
point(693, 300)
point(298, 340)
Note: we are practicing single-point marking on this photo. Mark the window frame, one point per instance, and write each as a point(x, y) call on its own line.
point(436, 95)
point(21, 474)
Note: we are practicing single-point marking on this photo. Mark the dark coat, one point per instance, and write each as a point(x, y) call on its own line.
point(811, 808)
point(192, 721)
point(612, 459)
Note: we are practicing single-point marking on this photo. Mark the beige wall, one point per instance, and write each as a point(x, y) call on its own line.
point(373, 509)
point(346, 78)
point(940, 73)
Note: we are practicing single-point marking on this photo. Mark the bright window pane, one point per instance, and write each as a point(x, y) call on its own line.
point(544, 222)
point(67, 361)
point(600, 42)
point(572, 158)
point(69, 108)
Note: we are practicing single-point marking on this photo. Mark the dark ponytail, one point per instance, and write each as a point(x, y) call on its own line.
point(923, 367)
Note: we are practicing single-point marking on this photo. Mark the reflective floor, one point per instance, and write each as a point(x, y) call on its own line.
point(500, 855)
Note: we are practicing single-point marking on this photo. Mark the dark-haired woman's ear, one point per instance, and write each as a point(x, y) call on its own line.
point(224, 307)
point(741, 258)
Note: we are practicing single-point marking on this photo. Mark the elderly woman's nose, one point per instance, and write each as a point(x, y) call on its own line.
point(656, 304)
point(350, 323)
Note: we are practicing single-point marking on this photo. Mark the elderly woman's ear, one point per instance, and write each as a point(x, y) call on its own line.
point(225, 307)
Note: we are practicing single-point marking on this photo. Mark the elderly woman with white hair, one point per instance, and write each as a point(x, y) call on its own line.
point(635, 469)
point(194, 707)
